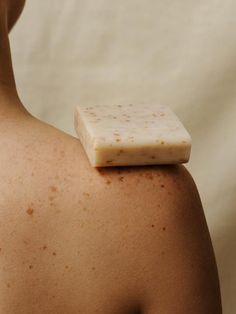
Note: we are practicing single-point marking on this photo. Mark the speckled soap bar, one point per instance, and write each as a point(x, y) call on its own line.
point(121, 135)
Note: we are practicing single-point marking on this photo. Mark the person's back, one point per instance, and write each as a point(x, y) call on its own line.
point(76, 239)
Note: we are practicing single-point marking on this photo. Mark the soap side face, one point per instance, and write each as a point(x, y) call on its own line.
point(84, 137)
point(132, 135)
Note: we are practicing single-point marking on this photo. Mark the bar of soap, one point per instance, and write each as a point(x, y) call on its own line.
point(122, 135)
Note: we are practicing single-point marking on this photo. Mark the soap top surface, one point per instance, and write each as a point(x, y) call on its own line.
point(133, 125)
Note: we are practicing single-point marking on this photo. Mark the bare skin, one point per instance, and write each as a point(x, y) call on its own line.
point(76, 239)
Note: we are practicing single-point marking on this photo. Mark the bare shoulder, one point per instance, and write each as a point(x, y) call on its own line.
point(141, 228)
point(169, 241)
point(169, 190)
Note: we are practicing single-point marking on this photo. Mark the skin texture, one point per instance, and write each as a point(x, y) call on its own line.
point(76, 239)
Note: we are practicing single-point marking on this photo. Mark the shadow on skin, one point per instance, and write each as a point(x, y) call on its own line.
point(226, 258)
point(164, 169)
point(137, 311)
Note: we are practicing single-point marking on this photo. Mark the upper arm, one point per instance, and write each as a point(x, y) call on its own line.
point(179, 272)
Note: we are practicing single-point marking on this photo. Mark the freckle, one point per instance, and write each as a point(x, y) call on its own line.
point(86, 194)
point(153, 226)
point(32, 174)
point(162, 185)
point(66, 267)
point(121, 179)
point(30, 211)
point(153, 157)
point(51, 198)
point(93, 268)
point(30, 266)
point(8, 285)
point(121, 151)
point(164, 228)
point(162, 253)
point(108, 182)
point(56, 177)
point(54, 253)
point(149, 176)
point(119, 106)
point(53, 188)
point(118, 140)
point(127, 120)
point(44, 247)
point(162, 142)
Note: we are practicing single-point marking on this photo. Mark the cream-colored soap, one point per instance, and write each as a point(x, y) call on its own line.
point(121, 135)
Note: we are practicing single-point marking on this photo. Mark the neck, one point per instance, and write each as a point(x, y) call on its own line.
point(9, 100)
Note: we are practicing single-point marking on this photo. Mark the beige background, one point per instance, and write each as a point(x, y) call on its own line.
point(180, 53)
